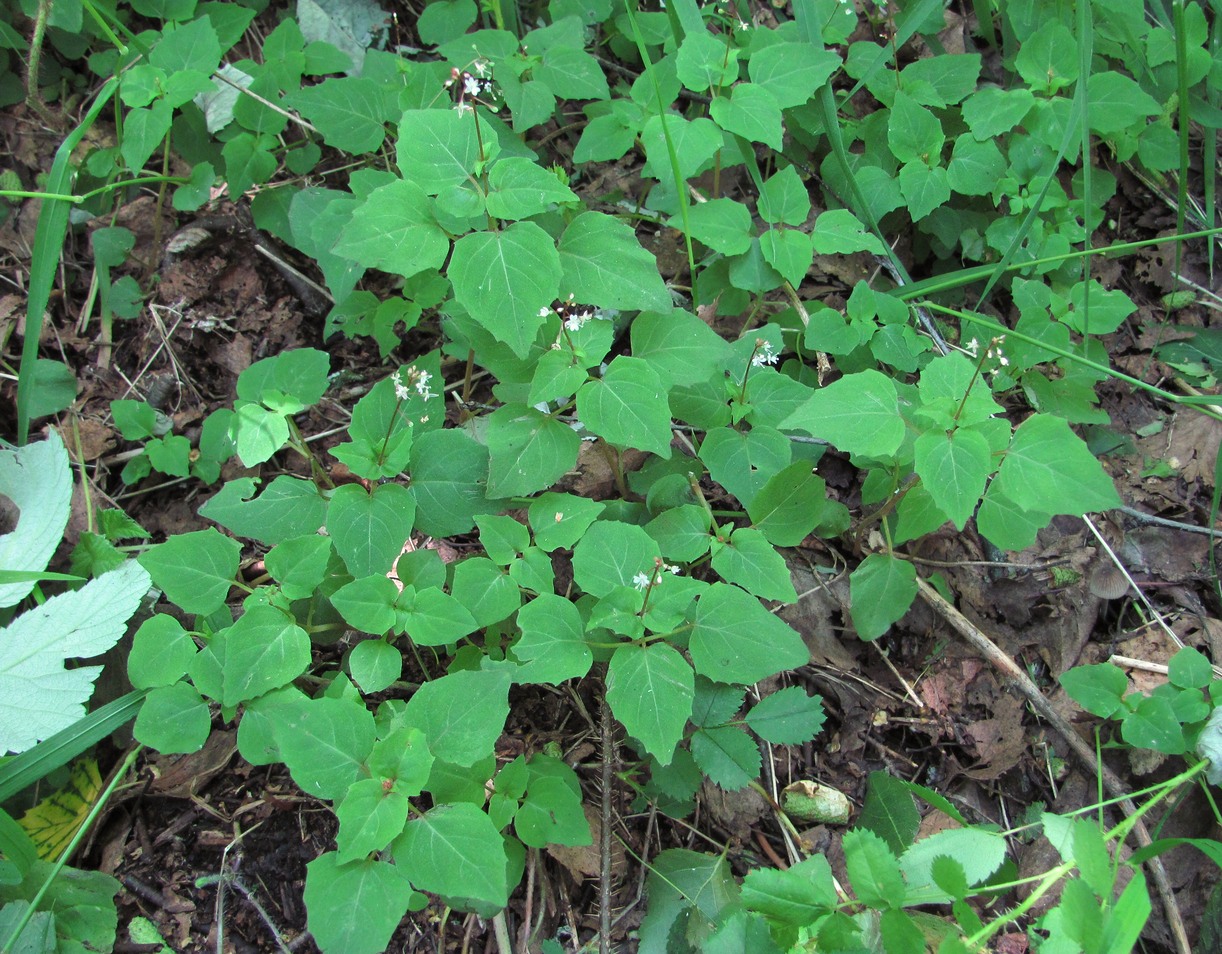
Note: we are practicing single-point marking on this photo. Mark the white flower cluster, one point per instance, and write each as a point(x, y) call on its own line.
point(642, 580)
point(470, 85)
point(417, 380)
point(764, 354)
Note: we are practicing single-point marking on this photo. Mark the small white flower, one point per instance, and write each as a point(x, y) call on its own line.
point(480, 67)
point(422, 385)
point(470, 85)
point(973, 347)
point(640, 581)
point(577, 322)
point(544, 311)
point(764, 355)
point(461, 108)
point(401, 391)
point(673, 569)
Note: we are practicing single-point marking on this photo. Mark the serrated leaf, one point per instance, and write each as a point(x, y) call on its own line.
point(650, 691)
point(38, 696)
point(504, 279)
point(734, 639)
point(859, 414)
point(38, 481)
point(881, 590)
point(873, 870)
point(628, 407)
point(889, 811)
point(727, 755)
point(461, 714)
point(981, 852)
point(787, 717)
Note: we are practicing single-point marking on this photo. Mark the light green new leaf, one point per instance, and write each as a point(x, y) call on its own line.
point(734, 639)
point(456, 851)
point(369, 529)
point(628, 407)
point(262, 651)
point(324, 742)
point(728, 756)
point(954, 467)
point(981, 852)
point(394, 230)
point(354, 907)
point(552, 646)
point(749, 560)
point(436, 148)
point(787, 717)
point(370, 818)
point(461, 714)
point(527, 451)
point(881, 589)
point(519, 188)
point(650, 691)
point(603, 262)
point(505, 278)
point(1050, 469)
point(38, 697)
point(873, 870)
point(612, 554)
point(195, 570)
point(859, 414)
point(38, 481)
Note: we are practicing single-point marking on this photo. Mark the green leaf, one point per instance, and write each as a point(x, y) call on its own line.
point(187, 46)
point(859, 414)
point(602, 261)
point(1100, 689)
point(174, 719)
point(991, 111)
point(980, 851)
point(650, 691)
point(787, 717)
point(324, 742)
point(370, 818)
point(552, 646)
point(889, 811)
point(734, 639)
point(42, 509)
point(551, 812)
point(839, 231)
point(749, 560)
point(354, 907)
point(369, 529)
point(519, 188)
point(461, 714)
point(789, 252)
point(744, 462)
point(612, 554)
point(783, 197)
point(527, 451)
point(393, 229)
point(789, 506)
point(954, 467)
point(750, 111)
point(706, 61)
point(943, 80)
point(1007, 525)
point(374, 665)
point(783, 896)
point(195, 570)
point(681, 348)
point(455, 850)
point(572, 73)
point(289, 382)
point(975, 167)
point(628, 407)
point(881, 590)
point(1153, 725)
point(924, 188)
point(695, 142)
point(1048, 59)
point(288, 507)
point(485, 590)
point(558, 520)
point(258, 433)
point(349, 112)
point(1050, 469)
point(402, 756)
point(1117, 102)
point(727, 755)
point(504, 279)
point(449, 471)
point(913, 132)
point(299, 564)
point(435, 618)
point(792, 72)
point(722, 224)
point(263, 650)
point(160, 654)
point(682, 532)
point(873, 870)
point(1189, 669)
point(438, 148)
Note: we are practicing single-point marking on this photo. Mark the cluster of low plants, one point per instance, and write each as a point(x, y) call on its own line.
point(422, 186)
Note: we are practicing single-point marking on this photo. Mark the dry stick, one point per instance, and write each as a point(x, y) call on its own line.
point(607, 745)
point(1115, 787)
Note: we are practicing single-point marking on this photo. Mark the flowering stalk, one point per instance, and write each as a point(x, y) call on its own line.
point(993, 351)
point(647, 581)
point(762, 354)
